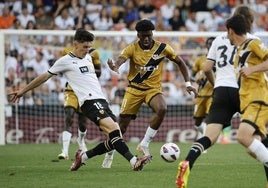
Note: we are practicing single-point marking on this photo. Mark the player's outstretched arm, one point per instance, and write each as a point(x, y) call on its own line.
point(183, 68)
point(208, 70)
point(15, 96)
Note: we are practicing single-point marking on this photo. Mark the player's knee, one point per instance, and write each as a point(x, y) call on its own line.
point(161, 111)
point(123, 128)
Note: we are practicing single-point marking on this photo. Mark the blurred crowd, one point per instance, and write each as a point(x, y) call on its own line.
point(28, 56)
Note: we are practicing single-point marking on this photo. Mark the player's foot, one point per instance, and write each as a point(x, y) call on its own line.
point(63, 156)
point(108, 160)
point(183, 173)
point(143, 150)
point(138, 166)
point(78, 161)
point(82, 145)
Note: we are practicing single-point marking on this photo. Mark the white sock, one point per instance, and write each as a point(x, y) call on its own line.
point(81, 135)
point(111, 153)
point(66, 138)
point(148, 137)
point(133, 161)
point(84, 157)
point(260, 151)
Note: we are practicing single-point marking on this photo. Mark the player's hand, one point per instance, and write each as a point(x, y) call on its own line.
point(112, 65)
point(245, 71)
point(14, 96)
point(191, 89)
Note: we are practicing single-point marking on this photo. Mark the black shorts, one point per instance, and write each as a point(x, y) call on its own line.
point(97, 109)
point(225, 103)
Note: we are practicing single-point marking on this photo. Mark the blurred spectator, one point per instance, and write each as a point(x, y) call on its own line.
point(147, 10)
point(167, 11)
point(185, 8)
point(191, 22)
point(46, 97)
point(25, 17)
point(118, 91)
point(104, 22)
point(168, 92)
point(93, 9)
point(131, 13)
point(43, 20)
point(64, 20)
point(213, 22)
point(176, 22)
point(58, 6)
point(159, 22)
point(223, 9)
point(6, 19)
point(30, 74)
point(115, 10)
point(39, 64)
point(18, 6)
point(82, 21)
point(74, 8)
point(30, 25)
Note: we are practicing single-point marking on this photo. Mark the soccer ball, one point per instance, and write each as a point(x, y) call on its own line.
point(170, 152)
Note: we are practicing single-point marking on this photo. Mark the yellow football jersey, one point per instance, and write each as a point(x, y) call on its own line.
point(253, 88)
point(146, 66)
point(206, 88)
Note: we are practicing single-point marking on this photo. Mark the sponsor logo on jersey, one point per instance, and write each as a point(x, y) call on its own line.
point(83, 69)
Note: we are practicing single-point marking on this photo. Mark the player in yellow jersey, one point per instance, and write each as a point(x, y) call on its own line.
point(251, 60)
point(146, 57)
point(71, 107)
point(205, 90)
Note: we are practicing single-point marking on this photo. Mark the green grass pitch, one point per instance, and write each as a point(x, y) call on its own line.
point(35, 165)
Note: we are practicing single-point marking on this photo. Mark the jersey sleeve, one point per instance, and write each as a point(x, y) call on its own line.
point(58, 67)
point(258, 47)
point(127, 51)
point(170, 52)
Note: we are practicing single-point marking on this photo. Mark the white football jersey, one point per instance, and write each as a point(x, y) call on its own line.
point(222, 54)
point(81, 76)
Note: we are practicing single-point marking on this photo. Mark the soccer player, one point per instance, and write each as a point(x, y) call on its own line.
point(225, 102)
point(251, 60)
point(146, 57)
point(204, 99)
point(79, 71)
point(205, 89)
point(71, 106)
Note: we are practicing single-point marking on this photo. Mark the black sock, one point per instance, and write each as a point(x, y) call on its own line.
point(197, 149)
point(119, 145)
point(100, 149)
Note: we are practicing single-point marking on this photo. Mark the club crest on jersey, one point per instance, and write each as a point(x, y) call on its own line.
point(83, 69)
point(101, 111)
point(156, 56)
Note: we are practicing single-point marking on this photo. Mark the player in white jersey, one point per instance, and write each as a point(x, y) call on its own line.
point(225, 102)
point(79, 71)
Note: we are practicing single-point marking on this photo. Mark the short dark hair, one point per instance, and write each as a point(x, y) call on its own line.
point(238, 24)
point(209, 42)
point(82, 35)
point(145, 25)
point(248, 14)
